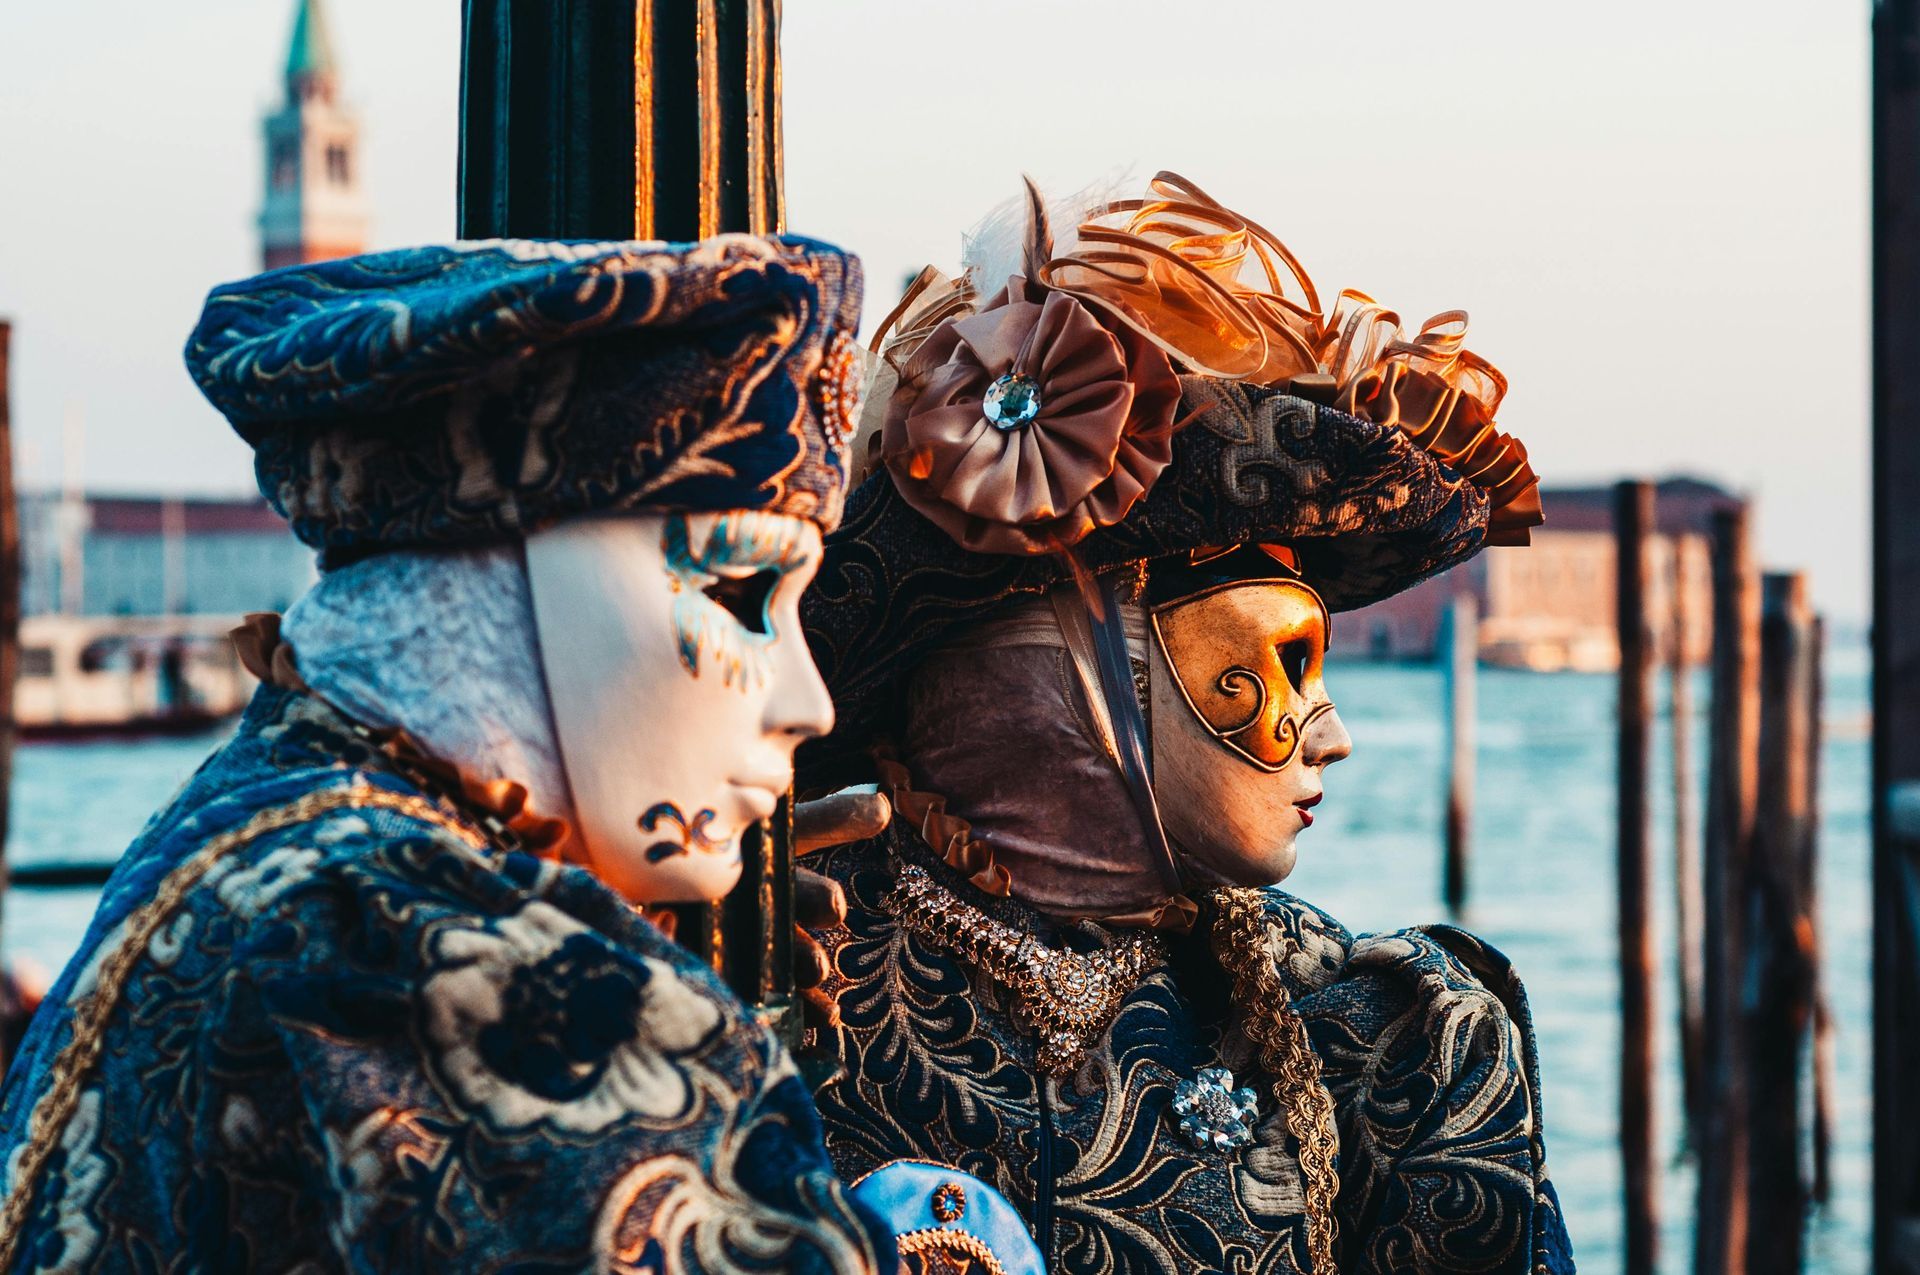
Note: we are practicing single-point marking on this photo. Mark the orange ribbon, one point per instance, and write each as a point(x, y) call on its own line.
point(1224, 297)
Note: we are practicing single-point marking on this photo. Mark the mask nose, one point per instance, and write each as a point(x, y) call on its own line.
point(1327, 740)
point(799, 707)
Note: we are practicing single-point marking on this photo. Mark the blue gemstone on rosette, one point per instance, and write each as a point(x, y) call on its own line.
point(1011, 402)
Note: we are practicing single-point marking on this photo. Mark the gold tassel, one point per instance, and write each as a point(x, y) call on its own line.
point(1240, 931)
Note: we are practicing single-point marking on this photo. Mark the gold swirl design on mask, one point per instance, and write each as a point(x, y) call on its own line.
point(1240, 620)
point(1231, 683)
point(1306, 721)
point(1286, 731)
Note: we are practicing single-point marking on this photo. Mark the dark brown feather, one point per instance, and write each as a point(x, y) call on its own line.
point(1039, 249)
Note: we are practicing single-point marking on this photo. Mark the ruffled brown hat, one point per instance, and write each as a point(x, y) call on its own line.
point(1168, 387)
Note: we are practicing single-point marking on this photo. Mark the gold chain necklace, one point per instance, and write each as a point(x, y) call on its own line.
point(1067, 998)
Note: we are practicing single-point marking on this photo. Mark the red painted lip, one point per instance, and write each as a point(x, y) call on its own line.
point(1305, 809)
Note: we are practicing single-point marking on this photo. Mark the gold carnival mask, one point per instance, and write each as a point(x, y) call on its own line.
point(1247, 658)
point(1243, 729)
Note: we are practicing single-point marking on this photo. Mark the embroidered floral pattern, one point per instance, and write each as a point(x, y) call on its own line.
point(250, 890)
point(453, 394)
point(535, 1020)
point(70, 1235)
point(366, 1161)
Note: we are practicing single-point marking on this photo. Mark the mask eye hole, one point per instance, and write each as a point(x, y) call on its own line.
point(745, 598)
point(1293, 661)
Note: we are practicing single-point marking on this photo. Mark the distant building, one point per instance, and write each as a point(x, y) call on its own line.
point(315, 206)
point(127, 600)
point(155, 555)
point(1550, 605)
point(104, 555)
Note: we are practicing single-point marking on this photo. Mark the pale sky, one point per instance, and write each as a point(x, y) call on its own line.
point(1656, 213)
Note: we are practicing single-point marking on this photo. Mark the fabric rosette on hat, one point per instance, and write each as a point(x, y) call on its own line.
point(1021, 428)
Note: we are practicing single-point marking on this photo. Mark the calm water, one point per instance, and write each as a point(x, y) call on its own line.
point(1542, 890)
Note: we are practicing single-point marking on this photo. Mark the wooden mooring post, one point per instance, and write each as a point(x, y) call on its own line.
point(1824, 1043)
point(1896, 636)
point(1720, 1235)
point(9, 603)
point(1688, 901)
point(1460, 652)
point(1780, 962)
point(1633, 529)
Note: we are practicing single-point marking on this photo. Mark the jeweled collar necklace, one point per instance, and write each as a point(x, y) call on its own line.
point(1066, 998)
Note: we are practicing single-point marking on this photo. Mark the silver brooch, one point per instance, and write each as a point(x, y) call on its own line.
point(1214, 1115)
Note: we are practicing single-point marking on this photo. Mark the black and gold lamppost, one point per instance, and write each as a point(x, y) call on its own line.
point(620, 119)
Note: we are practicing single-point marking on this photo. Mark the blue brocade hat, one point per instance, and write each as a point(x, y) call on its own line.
point(455, 395)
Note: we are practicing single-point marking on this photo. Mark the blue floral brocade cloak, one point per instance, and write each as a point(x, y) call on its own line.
point(360, 1039)
point(1424, 1040)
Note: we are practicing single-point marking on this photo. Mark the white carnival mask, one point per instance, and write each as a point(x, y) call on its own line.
point(680, 684)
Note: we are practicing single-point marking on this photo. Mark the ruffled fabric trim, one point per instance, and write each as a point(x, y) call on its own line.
point(1442, 396)
point(951, 837)
point(1176, 916)
point(262, 653)
point(505, 799)
point(1224, 297)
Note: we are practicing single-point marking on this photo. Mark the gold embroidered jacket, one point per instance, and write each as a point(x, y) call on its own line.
point(1424, 1039)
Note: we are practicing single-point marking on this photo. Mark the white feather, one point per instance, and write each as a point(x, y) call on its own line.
point(992, 252)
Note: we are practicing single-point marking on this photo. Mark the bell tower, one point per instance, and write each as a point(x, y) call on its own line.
point(315, 207)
